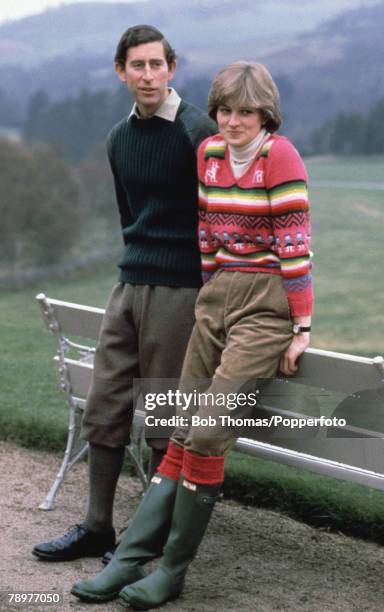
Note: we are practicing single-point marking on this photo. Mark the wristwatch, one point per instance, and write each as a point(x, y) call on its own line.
point(298, 329)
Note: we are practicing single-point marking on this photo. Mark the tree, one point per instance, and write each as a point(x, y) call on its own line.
point(36, 123)
point(348, 134)
point(375, 129)
point(351, 133)
point(75, 125)
point(97, 191)
point(9, 110)
point(39, 208)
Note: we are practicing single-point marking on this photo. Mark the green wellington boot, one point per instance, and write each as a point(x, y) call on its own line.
point(193, 508)
point(144, 540)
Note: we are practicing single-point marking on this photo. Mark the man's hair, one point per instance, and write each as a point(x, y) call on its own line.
point(140, 35)
point(246, 84)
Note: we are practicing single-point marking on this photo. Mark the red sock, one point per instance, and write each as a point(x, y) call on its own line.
point(172, 461)
point(202, 469)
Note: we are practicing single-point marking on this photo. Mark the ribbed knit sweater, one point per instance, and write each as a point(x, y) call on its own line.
point(153, 162)
point(260, 221)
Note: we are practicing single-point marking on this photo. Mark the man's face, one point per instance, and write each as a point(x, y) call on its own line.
point(146, 74)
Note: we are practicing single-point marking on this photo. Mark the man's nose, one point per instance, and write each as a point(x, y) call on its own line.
point(148, 76)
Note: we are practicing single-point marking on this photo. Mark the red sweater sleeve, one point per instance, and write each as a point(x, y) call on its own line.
point(286, 181)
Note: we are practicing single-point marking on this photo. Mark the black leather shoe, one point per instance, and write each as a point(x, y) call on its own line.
point(108, 555)
point(78, 542)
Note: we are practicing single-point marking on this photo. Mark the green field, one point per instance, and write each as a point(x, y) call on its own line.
point(29, 398)
point(347, 238)
point(329, 167)
point(347, 245)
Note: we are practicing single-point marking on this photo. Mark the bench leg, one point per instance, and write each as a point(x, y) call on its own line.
point(136, 450)
point(69, 459)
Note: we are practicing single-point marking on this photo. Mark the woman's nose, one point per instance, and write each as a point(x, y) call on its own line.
point(233, 119)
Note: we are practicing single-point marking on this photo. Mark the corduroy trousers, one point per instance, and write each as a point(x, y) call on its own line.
point(243, 326)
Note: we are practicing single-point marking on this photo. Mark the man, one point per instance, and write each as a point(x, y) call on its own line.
point(149, 315)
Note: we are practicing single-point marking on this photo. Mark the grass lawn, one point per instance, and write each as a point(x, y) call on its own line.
point(347, 238)
point(31, 408)
point(355, 168)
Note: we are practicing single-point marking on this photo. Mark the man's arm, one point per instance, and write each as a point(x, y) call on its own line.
point(121, 195)
point(205, 127)
point(197, 126)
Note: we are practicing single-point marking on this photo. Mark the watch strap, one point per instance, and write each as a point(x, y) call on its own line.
point(298, 329)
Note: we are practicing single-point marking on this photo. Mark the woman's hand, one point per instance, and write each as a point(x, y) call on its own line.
point(288, 362)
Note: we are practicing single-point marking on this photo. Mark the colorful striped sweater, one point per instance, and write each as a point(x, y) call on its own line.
point(260, 221)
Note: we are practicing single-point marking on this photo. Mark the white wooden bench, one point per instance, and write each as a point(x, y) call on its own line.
point(334, 384)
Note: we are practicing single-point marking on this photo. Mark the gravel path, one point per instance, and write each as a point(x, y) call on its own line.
point(250, 560)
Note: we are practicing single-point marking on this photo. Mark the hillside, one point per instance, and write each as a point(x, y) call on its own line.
point(336, 67)
point(80, 28)
point(321, 66)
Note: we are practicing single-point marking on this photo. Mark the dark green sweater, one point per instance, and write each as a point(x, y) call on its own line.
point(153, 163)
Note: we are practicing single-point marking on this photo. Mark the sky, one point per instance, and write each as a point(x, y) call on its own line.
point(14, 9)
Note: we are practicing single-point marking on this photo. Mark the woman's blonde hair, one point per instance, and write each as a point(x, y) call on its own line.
point(246, 84)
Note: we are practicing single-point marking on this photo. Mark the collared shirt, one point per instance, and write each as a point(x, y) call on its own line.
point(167, 110)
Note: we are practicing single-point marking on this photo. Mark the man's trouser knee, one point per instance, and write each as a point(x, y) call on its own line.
point(144, 334)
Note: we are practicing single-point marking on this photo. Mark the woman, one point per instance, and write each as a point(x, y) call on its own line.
point(252, 317)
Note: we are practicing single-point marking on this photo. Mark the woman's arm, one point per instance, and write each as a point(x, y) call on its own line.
point(287, 190)
point(288, 362)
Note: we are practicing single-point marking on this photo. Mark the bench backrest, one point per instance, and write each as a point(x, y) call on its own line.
point(70, 319)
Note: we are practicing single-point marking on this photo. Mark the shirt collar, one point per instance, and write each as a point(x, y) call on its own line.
point(168, 109)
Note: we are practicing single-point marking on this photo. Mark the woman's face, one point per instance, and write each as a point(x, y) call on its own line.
point(238, 125)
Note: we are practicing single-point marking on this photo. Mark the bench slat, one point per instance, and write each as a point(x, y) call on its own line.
point(80, 375)
point(76, 319)
point(338, 371)
point(319, 465)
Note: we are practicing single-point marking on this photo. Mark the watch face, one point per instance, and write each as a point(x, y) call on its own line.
point(296, 328)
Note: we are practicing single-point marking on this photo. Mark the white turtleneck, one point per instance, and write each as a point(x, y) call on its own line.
point(242, 157)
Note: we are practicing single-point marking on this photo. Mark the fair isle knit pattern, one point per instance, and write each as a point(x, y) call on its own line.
point(260, 221)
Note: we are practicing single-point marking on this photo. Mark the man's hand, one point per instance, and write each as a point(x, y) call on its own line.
point(288, 362)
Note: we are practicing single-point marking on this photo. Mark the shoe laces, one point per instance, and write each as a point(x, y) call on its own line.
point(73, 529)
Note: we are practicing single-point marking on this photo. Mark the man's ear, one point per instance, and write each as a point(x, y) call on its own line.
point(120, 71)
point(172, 70)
